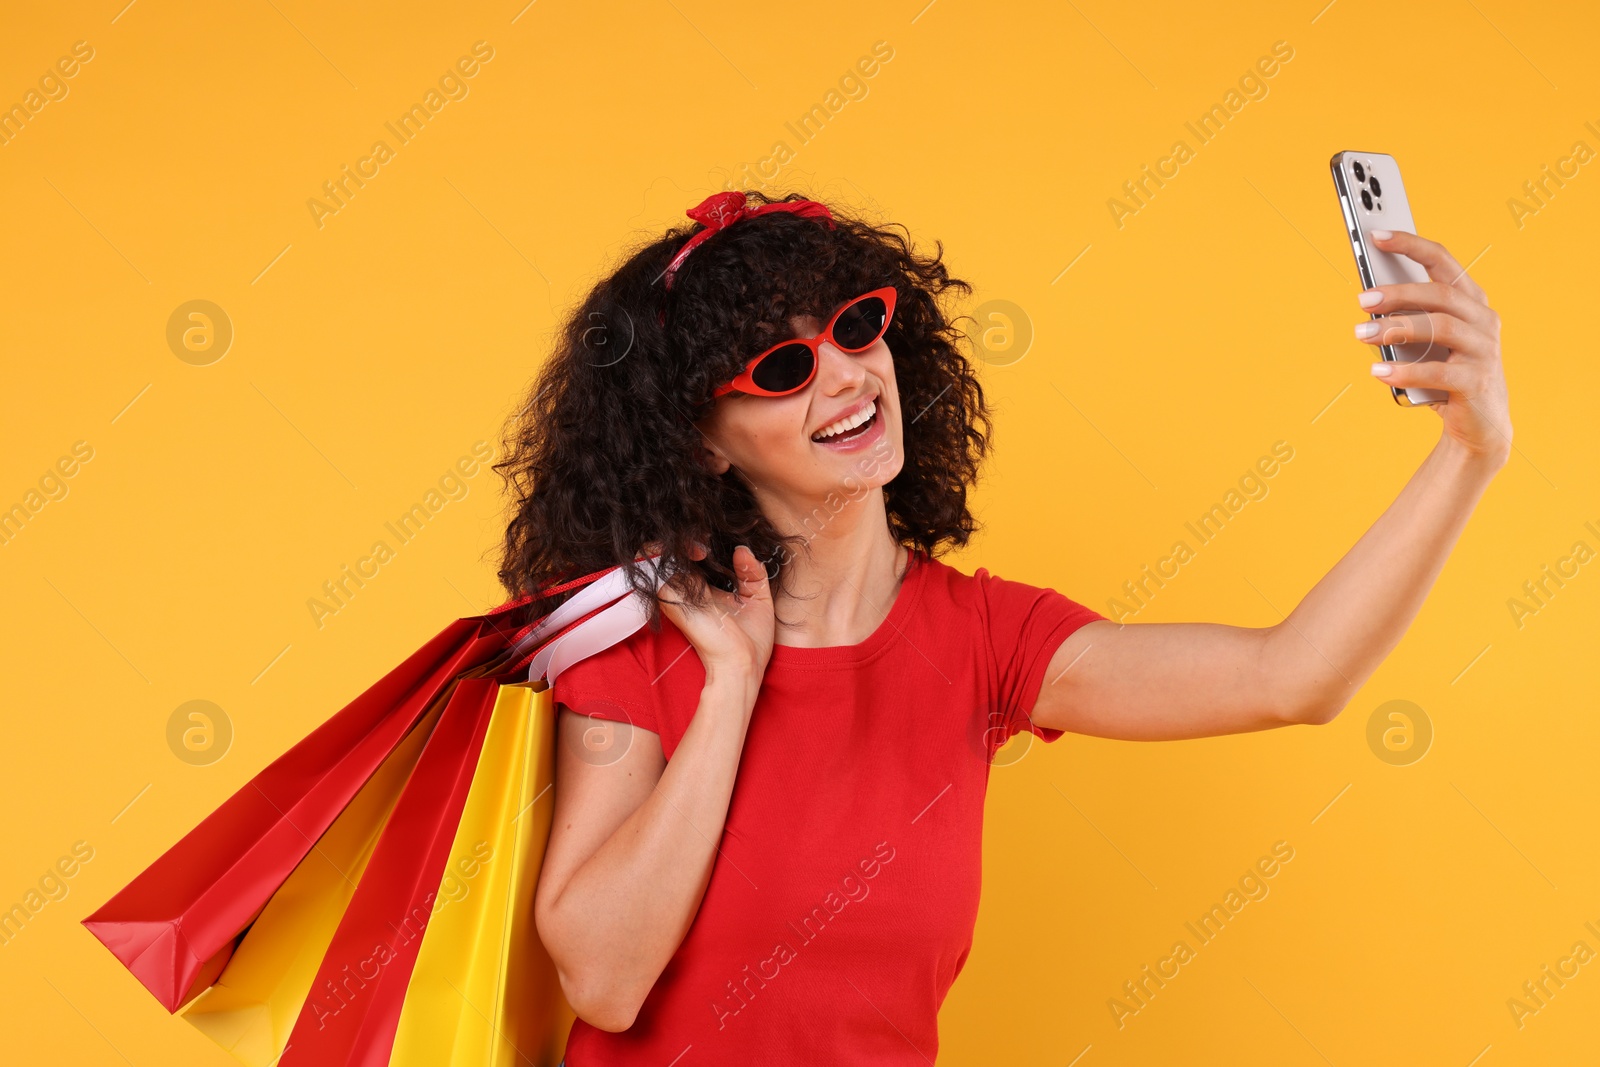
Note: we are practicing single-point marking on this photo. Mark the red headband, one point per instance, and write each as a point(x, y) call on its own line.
point(721, 210)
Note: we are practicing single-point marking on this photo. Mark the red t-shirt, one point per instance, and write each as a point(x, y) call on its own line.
point(844, 896)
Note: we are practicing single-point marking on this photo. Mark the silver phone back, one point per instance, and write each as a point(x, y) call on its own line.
point(1388, 210)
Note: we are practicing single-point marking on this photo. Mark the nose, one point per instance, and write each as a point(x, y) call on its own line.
point(837, 372)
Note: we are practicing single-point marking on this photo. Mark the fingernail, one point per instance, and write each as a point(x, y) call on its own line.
point(1370, 298)
point(1381, 370)
point(1365, 330)
point(1381, 235)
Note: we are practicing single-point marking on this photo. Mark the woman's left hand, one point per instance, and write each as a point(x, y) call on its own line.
point(1477, 414)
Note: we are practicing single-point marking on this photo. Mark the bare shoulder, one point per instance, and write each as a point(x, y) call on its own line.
point(600, 762)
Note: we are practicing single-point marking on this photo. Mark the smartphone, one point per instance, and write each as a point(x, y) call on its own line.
point(1373, 197)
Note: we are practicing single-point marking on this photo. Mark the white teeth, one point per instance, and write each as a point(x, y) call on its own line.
point(847, 423)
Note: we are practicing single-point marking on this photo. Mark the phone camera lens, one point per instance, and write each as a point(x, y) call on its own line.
point(1366, 200)
point(1361, 175)
point(1377, 190)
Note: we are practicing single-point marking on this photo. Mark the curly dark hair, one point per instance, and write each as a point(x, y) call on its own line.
point(603, 459)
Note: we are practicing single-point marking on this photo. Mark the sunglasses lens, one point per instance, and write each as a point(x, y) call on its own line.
point(861, 324)
point(787, 368)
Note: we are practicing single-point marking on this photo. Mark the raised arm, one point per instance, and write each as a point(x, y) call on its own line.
point(633, 838)
point(632, 844)
point(1163, 681)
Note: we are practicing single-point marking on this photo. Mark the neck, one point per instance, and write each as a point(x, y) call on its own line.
point(839, 588)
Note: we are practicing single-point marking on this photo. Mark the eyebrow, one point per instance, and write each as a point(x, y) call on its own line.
point(822, 319)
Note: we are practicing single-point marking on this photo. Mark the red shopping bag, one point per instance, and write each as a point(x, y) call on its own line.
point(175, 925)
point(353, 1009)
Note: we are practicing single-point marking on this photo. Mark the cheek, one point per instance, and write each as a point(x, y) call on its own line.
point(881, 362)
point(881, 367)
point(760, 432)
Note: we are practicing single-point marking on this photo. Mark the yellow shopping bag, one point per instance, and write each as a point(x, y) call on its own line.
point(484, 991)
point(252, 1007)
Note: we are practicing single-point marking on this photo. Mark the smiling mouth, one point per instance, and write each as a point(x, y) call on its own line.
point(824, 436)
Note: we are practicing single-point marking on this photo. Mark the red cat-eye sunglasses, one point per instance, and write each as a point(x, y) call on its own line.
point(789, 366)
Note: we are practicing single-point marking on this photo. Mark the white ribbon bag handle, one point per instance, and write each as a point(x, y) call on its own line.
point(615, 624)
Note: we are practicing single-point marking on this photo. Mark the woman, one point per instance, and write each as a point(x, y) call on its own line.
point(766, 841)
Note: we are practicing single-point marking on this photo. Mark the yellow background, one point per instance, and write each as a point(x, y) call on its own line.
point(371, 353)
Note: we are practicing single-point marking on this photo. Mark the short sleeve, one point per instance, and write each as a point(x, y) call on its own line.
point(652, 680)
point(612, 684)
point(1025, 625)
